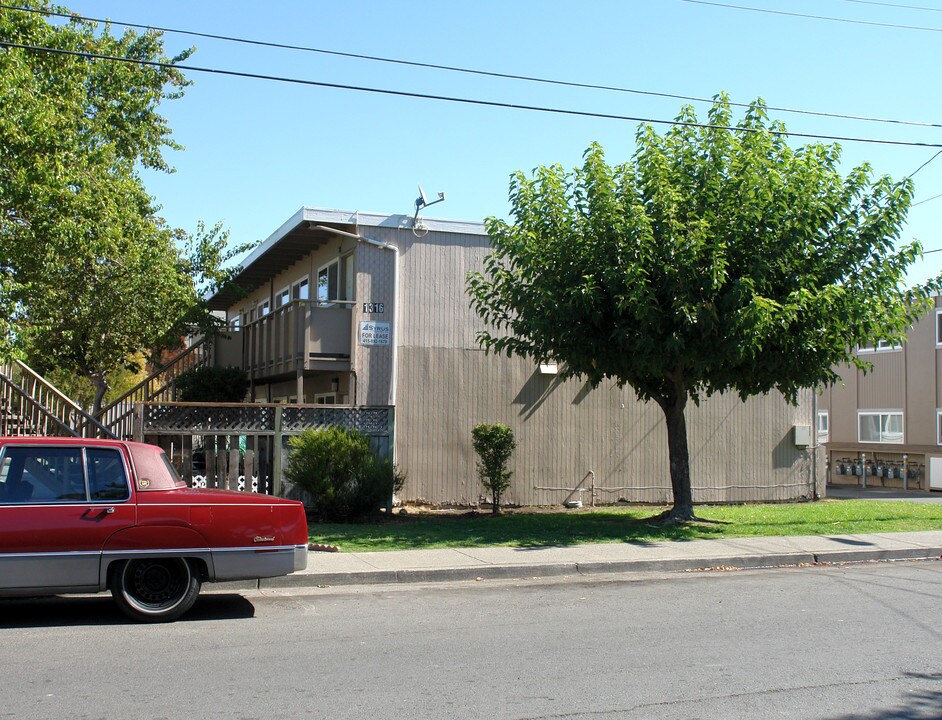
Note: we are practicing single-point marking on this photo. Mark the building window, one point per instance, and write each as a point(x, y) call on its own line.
point(880, 427)
point(938, 328)
point(299, 290)
point(881, 346)
point(335, 280)
point(938, 427)
point(263, 308)
point(823, 426)
point(282, 298)
point(235, 323)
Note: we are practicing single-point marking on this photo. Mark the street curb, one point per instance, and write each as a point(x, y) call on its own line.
point(514, 572)
point(852, 556)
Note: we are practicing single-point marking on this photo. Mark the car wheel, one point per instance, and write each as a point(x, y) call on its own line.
point(155, 589)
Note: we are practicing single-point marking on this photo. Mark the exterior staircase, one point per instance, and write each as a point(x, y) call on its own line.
point(31, 405)
point(159, 386)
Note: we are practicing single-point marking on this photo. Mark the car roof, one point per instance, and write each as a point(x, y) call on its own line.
point(54, 440)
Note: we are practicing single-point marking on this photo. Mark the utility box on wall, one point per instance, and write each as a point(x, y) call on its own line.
point(802, 435)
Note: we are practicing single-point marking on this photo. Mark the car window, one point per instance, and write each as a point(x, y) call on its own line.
point(42, 474)
point(107, 479)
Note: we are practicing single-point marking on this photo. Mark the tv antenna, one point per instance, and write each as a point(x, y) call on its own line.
point(421, 202)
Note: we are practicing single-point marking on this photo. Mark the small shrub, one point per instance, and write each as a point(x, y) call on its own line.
point(213, 384)
point(342, 474)
point(494, 445)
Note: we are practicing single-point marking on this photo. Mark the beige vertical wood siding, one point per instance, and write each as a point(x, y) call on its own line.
point(738, 451)
point(374, 267)
point(920, 382)
point(884, 386)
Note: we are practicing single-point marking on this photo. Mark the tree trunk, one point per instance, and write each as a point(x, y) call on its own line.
point(101, 387)
point(679, 459)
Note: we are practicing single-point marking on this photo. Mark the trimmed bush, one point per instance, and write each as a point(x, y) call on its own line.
point(213, 384)
point(494, 445)
point(344, 477)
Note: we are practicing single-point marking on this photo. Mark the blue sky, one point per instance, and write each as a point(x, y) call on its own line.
point(257, 151)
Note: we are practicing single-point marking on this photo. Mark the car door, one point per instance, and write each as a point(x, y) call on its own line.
point(58, 506)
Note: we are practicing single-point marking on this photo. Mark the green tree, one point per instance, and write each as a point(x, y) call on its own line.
point(717, 259)
point(90, 275)
point(494, 445)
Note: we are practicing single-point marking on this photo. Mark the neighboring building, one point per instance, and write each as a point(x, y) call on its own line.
point(358, 309)
point(889, 420)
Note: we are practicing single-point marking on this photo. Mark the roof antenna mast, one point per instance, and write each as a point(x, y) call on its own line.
point(421, 202)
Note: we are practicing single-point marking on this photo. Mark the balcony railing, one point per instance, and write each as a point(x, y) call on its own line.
point(295, 334)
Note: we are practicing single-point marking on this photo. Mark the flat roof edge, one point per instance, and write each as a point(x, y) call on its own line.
point(385, 220)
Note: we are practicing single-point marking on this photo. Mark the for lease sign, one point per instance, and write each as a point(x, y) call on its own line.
point(374, 333)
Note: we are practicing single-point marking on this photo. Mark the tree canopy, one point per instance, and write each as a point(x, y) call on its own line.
point(90, 275)
point(717, 259)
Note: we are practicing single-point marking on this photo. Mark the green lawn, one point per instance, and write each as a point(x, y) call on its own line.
point(625, 524)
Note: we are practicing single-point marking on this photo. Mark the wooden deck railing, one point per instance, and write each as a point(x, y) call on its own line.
point(283, 340)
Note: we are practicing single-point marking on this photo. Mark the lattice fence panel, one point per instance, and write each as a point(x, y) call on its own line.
point(372, 421)
point(220, 445)
point(172, 418)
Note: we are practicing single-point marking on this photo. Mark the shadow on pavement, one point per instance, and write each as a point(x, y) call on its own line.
point(915, 705)
point(849, 541)
point(76, 611)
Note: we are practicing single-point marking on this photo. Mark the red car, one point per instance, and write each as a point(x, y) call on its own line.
point(82, 515)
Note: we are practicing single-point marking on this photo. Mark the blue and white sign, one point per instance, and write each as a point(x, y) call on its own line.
point(374, 333)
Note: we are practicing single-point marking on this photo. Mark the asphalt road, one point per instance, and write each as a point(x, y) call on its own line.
point(861, 642)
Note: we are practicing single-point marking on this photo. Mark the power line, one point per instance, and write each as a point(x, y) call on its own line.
point(895, 5)
point(934, 197)
point(814, 17)
point(924, 164)
point(450, 68)
point(464, 101)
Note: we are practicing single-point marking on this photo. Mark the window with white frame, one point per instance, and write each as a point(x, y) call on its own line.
point(264, 308)
point(335, 280)
point(881, 346)
point(880, 426)
point(823, 425)
point(236, 322)
point(938, 328)
point(282, 298)
point(938, 427)
point(299, 290)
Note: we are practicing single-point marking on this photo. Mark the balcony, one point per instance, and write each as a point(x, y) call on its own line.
point(300, 335)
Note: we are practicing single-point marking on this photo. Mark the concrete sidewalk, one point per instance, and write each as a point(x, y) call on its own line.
point(329, 569)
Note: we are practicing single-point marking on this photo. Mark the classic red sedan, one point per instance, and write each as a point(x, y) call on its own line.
point(81, 515)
